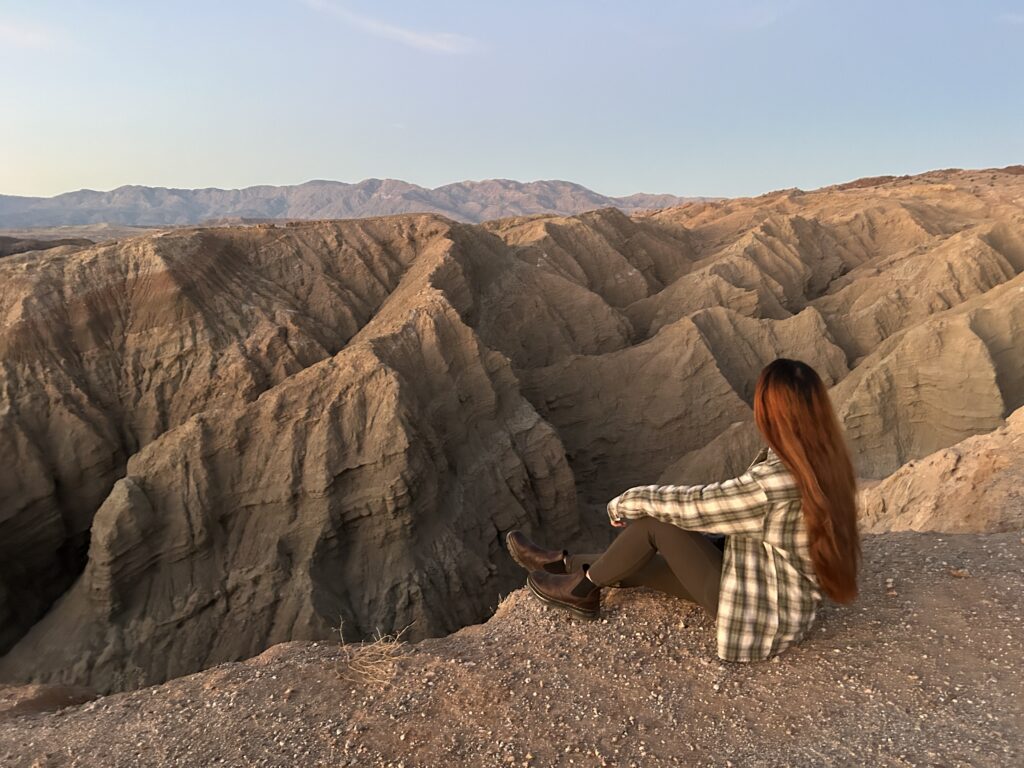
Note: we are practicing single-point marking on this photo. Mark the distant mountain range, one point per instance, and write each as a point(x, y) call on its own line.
point(471, 201)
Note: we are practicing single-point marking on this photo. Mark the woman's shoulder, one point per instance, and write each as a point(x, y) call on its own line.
point(778, 482)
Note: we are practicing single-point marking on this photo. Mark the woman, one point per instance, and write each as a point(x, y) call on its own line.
point(790, 522)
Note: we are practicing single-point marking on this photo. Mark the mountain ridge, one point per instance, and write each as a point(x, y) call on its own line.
point(466, 201)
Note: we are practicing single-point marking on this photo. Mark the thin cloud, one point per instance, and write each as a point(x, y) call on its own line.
point(432, 42)
point(758, 15)
point(26, 36)
point(1012, 18)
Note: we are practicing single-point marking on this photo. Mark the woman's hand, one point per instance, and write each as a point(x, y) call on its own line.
point(615, 520)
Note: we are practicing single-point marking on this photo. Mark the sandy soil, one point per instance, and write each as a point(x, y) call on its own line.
point(922, 670)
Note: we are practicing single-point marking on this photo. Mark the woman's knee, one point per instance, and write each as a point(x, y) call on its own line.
point(650, 527)
point(662, 534)
point(646, 523)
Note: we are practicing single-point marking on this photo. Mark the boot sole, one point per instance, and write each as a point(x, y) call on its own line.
point(583, 614)
point(511, 549)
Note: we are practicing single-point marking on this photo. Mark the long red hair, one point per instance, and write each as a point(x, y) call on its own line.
point(793, 411)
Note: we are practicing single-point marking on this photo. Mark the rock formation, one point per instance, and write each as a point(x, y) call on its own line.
point(728, 455)
point(369, 490)
point(105, 350)
point(976, 485)
point(229, 437)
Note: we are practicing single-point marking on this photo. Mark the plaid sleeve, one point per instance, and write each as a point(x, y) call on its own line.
point(731, 507)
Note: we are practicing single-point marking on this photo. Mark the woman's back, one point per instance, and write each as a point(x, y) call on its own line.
point(769, 593)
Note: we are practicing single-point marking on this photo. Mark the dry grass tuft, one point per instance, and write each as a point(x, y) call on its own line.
point(371, 662)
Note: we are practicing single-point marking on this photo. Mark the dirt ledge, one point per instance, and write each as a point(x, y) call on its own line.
point(922, 672)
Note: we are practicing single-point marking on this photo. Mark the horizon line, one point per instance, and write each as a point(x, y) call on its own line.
point(948, 169)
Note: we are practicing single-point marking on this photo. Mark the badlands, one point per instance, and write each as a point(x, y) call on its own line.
point(223, 439)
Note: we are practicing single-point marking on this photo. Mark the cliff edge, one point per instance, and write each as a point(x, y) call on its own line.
point(921, 670)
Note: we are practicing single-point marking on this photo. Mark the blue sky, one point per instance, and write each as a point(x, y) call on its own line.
point(711, 98)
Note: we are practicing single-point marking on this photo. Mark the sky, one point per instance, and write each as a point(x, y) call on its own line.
point(724, 98)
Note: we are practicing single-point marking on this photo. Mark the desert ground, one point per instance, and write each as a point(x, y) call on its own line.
point(922, 670)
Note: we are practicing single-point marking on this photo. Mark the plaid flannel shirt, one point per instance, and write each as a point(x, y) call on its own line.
point(769, 593)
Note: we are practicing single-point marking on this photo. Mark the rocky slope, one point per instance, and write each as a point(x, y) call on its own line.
point(975, 485)
point(229, 437)
point(12, 245)
point(922, 670)
point(472, 201)
point(272, 483)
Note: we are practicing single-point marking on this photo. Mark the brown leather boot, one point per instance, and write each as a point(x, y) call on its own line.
point(532, 557)
point(571, 590)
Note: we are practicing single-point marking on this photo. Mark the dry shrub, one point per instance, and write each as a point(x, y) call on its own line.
point(371, 662)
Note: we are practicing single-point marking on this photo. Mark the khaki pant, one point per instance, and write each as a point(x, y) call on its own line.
point(650, 553)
